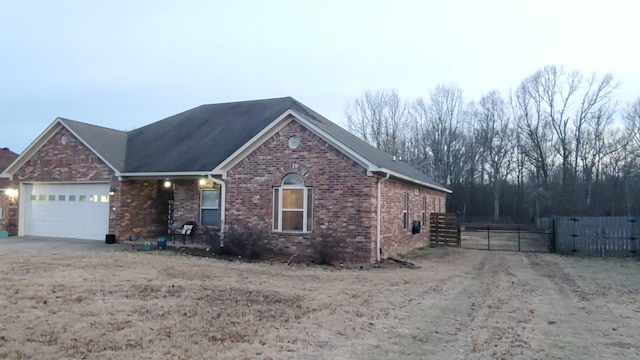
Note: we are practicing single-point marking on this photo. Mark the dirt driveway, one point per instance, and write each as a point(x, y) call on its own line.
point(459, 304)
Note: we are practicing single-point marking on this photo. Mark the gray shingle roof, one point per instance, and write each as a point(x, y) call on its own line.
point(109, 143)
point(199, 139)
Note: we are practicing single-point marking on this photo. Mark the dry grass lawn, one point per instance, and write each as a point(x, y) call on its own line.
point(458, 304)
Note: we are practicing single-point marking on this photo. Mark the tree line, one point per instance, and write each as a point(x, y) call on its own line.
point(558, 144)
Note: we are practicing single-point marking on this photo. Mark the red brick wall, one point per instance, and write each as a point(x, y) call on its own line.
point(72, 161)
point(395, 239)
point(344, 196)
point(10, 214)
point(141, 209)
point(186, 197)
point(59, 162)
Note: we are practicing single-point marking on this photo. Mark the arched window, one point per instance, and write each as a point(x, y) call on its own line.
point(292, 205)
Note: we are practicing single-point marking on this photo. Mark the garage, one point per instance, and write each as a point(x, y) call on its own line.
point(75, 210)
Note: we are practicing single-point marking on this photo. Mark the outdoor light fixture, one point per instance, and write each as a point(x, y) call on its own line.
point(12, 193)
point(203, 181)
point(112, 191)
point(167, 184)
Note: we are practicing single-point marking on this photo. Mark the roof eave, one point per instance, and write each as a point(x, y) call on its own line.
point(413, 180)
point(165, 175)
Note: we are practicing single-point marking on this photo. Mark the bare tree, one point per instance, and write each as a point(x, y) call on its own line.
point(555, 87)
point(380, 118)
point(438, 124)
point(594, 108)
point(496, 140)
point(632, 121)
point(535, 128)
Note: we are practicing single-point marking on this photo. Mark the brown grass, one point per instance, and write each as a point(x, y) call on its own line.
point(456, 304)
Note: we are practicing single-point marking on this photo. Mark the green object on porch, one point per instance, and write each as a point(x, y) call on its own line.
point(4, 234)
point(162, 243)
point(147, 247)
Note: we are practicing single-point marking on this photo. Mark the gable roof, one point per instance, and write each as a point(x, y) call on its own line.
point(109, 144)
point(197, 141)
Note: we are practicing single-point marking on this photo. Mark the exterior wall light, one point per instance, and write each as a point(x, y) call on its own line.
point(203, 181)
point(167, 184)
point(12, 193)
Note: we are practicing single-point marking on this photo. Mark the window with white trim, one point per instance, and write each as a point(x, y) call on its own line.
point(209, 207)
point(293, 205)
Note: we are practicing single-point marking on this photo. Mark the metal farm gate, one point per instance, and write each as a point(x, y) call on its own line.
point(506, 237)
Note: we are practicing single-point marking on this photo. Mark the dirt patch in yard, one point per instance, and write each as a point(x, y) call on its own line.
point(455, 304)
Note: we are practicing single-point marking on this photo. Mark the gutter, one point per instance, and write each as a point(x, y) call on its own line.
point(223, 194)
point(379, 217)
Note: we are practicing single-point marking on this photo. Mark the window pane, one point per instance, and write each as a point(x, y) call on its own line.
point(293, 198)
point(293, 179)
point(309, 209)
point(292, 220)
point(72, 198)
point(61, 197)
point(209, 217)
point(210, 198)
point(276, 209)
point(52, 198)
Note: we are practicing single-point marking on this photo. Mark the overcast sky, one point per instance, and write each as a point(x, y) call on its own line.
point(125, 64)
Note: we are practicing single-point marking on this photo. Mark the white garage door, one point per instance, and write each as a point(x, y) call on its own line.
point(78, 211)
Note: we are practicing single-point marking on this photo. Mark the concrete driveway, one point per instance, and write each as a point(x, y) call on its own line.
point(47, 244)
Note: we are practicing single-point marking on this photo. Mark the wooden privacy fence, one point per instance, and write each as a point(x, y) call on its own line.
point(597, 236)
point(444, 230)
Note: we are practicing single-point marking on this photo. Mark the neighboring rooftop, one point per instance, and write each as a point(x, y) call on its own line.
point(6, 157)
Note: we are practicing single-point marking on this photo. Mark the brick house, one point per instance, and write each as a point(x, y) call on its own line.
point(273, 166)
point(7, 194)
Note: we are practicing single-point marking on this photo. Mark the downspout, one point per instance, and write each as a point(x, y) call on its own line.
point(222, 202)
point(379, 218)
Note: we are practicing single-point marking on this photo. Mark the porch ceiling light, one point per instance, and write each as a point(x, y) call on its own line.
point(167, 184)
point(12, 193)
point(203, 181)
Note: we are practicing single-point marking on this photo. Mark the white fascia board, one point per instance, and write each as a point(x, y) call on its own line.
point(407, 178)
point(275, 126)
point(32, 148)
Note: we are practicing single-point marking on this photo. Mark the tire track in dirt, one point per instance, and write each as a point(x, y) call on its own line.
point(580, 318)
point(482, 312)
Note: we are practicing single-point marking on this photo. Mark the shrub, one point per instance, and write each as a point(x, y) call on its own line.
point(326, 250)
point(246, 244)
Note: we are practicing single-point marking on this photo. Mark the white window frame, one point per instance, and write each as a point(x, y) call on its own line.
point(209, 207)
point(307, 207)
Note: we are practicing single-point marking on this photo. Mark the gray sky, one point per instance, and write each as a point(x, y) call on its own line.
point(125, 64)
